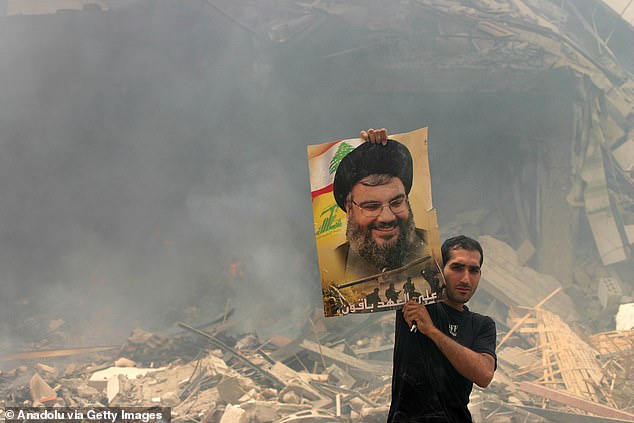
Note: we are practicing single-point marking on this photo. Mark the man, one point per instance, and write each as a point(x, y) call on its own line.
point(442, 349)
point(373, 299)
point(450, 349)
point(391, 294)
point(410, 289)
point(371, 185)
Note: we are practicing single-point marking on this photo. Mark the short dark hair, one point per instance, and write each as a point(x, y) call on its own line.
point(460, 241)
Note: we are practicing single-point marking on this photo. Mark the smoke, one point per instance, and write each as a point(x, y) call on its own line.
point(142, 156)
point(153, 161)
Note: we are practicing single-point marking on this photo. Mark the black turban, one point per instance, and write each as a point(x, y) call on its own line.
point(369, 159)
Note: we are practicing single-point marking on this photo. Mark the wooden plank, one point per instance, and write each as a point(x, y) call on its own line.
point(369, 350)
point(361, 365)
point(556, 416)
point(32, 355)
point(526, 317)
point(575, 401)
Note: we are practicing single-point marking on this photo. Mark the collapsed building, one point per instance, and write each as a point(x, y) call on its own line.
point(550, 193)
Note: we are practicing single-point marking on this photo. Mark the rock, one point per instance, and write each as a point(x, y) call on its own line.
point(170, 399)
point(291, 397)
point(124, 362)
point(99, 379)
point(212, 415)
point(262, 411)
point(234, 414)
point(230, 389)
point(45, 368)
point(113, 388)
point(271, 411)
point(85, 391)
point(40, 390)
point(625, 317)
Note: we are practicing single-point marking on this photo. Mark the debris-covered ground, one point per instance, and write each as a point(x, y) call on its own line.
point(558, 196)
point(550, 368)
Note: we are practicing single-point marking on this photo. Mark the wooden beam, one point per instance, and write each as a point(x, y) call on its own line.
point(361, 365)
point(526, 317)
point(574, 401)
point(32, 355)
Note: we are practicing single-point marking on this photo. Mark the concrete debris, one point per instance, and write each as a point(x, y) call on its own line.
point(46, 369)
point(552, 358)
point(230, 389)
point(625, 317)
point(100, 379)
point(152, 347)
point(312, 416)
point(575, 401)
point(509, 281)
point(234, 414)
point(41, 392)
point(124, 362)
point(609, 292)
point(293, 378)
point(86, 391)
point(113, 388)
point(325, 380)
point(270, 411)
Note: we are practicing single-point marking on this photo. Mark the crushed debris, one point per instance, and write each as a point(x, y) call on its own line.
point(554, 365)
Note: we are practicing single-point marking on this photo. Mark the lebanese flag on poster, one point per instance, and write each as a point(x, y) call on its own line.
point(323, 160)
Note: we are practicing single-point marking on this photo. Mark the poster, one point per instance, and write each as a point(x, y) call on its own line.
point(375, 226)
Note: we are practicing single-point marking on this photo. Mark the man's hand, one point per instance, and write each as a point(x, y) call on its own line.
point(375, 135)
point(413, 312)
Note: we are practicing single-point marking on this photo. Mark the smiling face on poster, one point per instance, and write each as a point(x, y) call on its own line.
point(375, 227)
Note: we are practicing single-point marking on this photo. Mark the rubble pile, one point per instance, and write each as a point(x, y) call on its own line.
point(317, 380)
point(339, 370)
point(557, 360)
point(616, 349)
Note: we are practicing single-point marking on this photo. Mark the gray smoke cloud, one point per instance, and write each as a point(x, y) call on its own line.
point(153, 161)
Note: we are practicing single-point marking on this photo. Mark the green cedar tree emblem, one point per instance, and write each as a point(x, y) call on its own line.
point(342, 151)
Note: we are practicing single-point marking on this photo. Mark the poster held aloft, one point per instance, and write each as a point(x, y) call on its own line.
point(375, 226)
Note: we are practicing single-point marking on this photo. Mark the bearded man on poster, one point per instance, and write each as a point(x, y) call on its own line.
point(371, 186)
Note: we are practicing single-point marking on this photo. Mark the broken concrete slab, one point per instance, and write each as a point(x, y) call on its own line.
point(361, 366)
point(512, 283)
point(625, 317)
point(231, 389)
point(609, 292)
point(124, 362)
point(113, 387)
point(100, 379)
point(271, 411)
point(46, 368)
point(234, 414)
point(40, 390)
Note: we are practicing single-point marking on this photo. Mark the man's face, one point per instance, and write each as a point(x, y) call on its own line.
point(385, 239)
point(384, 229)
point(462, 275)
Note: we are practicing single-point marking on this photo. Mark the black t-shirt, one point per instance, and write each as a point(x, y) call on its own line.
point(425, 386)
